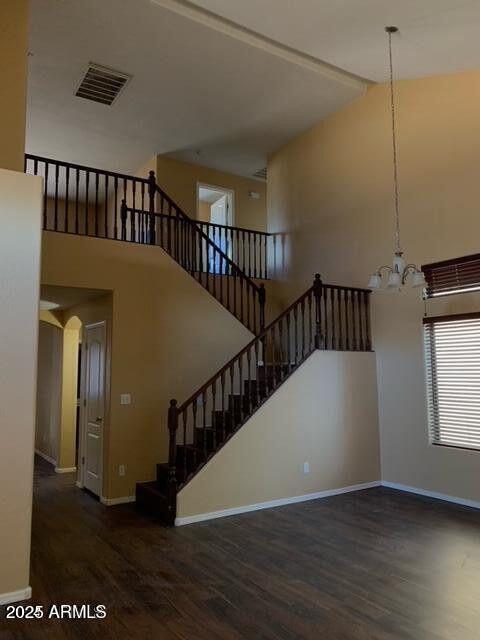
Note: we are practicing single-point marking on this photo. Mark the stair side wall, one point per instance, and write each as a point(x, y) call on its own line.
point(325, 414)
point(168, 336)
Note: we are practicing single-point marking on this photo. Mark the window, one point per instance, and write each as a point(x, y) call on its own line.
point(452, 354)
point(459, 275)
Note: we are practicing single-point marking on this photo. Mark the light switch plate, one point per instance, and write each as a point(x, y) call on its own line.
point(306, 467)
point(125, 398)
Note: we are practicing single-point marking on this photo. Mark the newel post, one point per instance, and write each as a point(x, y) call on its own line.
point(172, 458)
point(262, 297)
point(152, 190)
point(317, 293)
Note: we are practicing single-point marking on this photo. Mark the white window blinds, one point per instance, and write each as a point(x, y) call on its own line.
point(452, 354)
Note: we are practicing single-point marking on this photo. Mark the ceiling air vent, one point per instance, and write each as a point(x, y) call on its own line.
point(102, 84)
point(262, 174)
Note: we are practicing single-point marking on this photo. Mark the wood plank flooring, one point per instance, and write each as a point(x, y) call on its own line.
point(376, 565)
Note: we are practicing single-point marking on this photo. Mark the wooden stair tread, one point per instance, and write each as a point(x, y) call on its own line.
point(216, 411)
point(152, 488)
point(152, 500)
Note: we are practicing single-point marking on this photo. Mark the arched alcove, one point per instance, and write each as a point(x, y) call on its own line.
point(67, 446)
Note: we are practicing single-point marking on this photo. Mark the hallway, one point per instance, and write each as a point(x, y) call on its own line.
point(377, 564)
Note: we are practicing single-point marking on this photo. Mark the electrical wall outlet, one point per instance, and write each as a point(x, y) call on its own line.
point(121, 469)
point(306, 467)
point(125, 398)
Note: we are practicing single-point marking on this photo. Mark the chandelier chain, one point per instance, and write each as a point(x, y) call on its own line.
point(400, 271)
point(394, 147)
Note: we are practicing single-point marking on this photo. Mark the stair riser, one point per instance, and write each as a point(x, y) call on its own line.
point(190, 460)
point(252, 388)
point(269, 372)
point(226, 424)
point(211, 439)
point(162, 474)
point(236, 403)
point(154, 506)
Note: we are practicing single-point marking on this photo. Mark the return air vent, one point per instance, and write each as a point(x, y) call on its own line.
point(102, 84)
point(262, 174)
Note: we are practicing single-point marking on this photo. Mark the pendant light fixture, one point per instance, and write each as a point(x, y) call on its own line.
point(395, 276)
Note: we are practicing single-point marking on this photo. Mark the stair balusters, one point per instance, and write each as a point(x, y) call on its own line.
point(325, 317)
point(93, 202)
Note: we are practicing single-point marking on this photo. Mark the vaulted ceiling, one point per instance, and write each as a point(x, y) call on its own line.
point(436, 36)
point(221, 82)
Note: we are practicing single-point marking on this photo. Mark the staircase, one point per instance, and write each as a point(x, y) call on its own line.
point(91, 202)
point(326, 317)
point(84, 201)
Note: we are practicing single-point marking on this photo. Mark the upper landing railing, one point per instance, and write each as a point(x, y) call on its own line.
point(102, 204)
point(87, 201)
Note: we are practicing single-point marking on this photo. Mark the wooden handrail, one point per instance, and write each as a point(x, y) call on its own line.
point(232, 228)
point(326, 317)
point(245, 349)
point(192, 224)
point(81, 167)
point(85, 201)
point(339, 287)
point(261, 336)
point(249, 247)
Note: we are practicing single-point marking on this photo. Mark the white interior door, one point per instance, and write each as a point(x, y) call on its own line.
point(218, 211)
point(94, 407)
point(221, 213)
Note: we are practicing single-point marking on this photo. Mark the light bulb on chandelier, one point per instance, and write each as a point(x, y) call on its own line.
point(399, 273)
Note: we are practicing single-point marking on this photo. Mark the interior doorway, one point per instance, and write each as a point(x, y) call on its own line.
point(215, 206)
point(73, 374)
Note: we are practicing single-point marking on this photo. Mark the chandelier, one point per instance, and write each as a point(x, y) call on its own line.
point(397, 275)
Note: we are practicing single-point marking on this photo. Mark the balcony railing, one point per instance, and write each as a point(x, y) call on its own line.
point(88, 202)
point(246, 247)
point(92, 202)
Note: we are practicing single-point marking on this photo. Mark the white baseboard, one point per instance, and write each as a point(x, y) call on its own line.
point(180, 521)
point(431, 494)
point(65, 469)
point(79, 484)
point(45, 457)
point(16, 596)
point(110, 502)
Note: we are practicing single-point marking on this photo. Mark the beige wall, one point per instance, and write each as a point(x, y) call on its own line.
point(49, 390)
point(325, 414)
point(168, 336)
point(150, 165)
point(179, 180)
point(20, 219)
point(13, 88)
point(68, 422)
point(57, 372)
point(204, 211)
point(330, 200)
point(54, 318)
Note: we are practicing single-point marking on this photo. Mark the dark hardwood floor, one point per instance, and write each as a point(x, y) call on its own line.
point(377, 565)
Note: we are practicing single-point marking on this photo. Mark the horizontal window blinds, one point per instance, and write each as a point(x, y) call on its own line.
point(452, 355)
point(452, 276)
